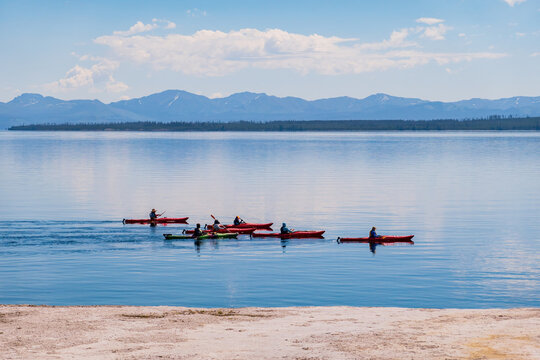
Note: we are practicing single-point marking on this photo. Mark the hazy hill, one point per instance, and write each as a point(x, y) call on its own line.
point(37, 109)
point(178, 105)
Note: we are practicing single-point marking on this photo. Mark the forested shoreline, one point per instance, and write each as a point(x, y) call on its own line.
point(491, 123)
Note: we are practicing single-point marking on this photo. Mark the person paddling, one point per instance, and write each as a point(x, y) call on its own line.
point(284, 229)
point(154, 215)
point(216, 227)
point(198, 232)
point(237, 221)
point(373, 233)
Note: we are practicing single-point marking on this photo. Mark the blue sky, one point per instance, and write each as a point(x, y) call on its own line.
point(110, 50)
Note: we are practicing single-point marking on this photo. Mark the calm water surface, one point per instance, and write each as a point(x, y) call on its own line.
point(472, 200)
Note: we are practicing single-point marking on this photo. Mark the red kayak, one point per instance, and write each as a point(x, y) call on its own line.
point(247, 231)
point(267, 226)
point(382, 239)
point(293, 235)
point(157, 221)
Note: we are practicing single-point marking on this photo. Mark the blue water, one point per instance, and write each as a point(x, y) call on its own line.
point(472, 200)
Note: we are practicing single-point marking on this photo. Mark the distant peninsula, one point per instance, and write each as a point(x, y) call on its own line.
point(491, 123)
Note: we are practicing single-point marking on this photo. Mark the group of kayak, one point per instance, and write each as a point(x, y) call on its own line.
point(240, 227)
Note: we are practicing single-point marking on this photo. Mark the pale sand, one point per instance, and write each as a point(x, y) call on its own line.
point(126, 332)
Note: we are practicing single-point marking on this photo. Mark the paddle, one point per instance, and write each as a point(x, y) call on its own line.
point(213, 217)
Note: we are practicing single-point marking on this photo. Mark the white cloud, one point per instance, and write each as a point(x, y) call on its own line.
point(433, 32)
point(167, 24)
point(514, 2)
point(397, 39)
point(520, 34)
point(216, 95)
point(115, 86)
point(140, 27)
point(462, 35)
point(215, 53)
point(436, 32)
point(97, 77)
point(535, 54)
point(429, 21)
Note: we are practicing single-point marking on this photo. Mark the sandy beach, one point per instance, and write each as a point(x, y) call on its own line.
point(127, 332)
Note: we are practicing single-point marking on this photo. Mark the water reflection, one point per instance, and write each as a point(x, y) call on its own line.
point(209, 243)
point(372, 245)
point(284, 243)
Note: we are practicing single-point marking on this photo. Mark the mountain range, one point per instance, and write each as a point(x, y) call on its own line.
point(178, 105)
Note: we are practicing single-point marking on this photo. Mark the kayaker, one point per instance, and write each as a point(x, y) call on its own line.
point(154, 215)
point(198, 232)
point(284, 229)
point(373, 233)
point(238, 221)
point(216, 226)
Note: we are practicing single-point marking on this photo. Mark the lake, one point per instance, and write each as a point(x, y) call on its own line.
point(472, 200)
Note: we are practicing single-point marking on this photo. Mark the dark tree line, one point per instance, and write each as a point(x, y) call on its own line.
point(491, 123)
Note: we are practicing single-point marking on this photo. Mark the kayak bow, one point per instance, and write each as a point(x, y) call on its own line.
point(174, 237)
